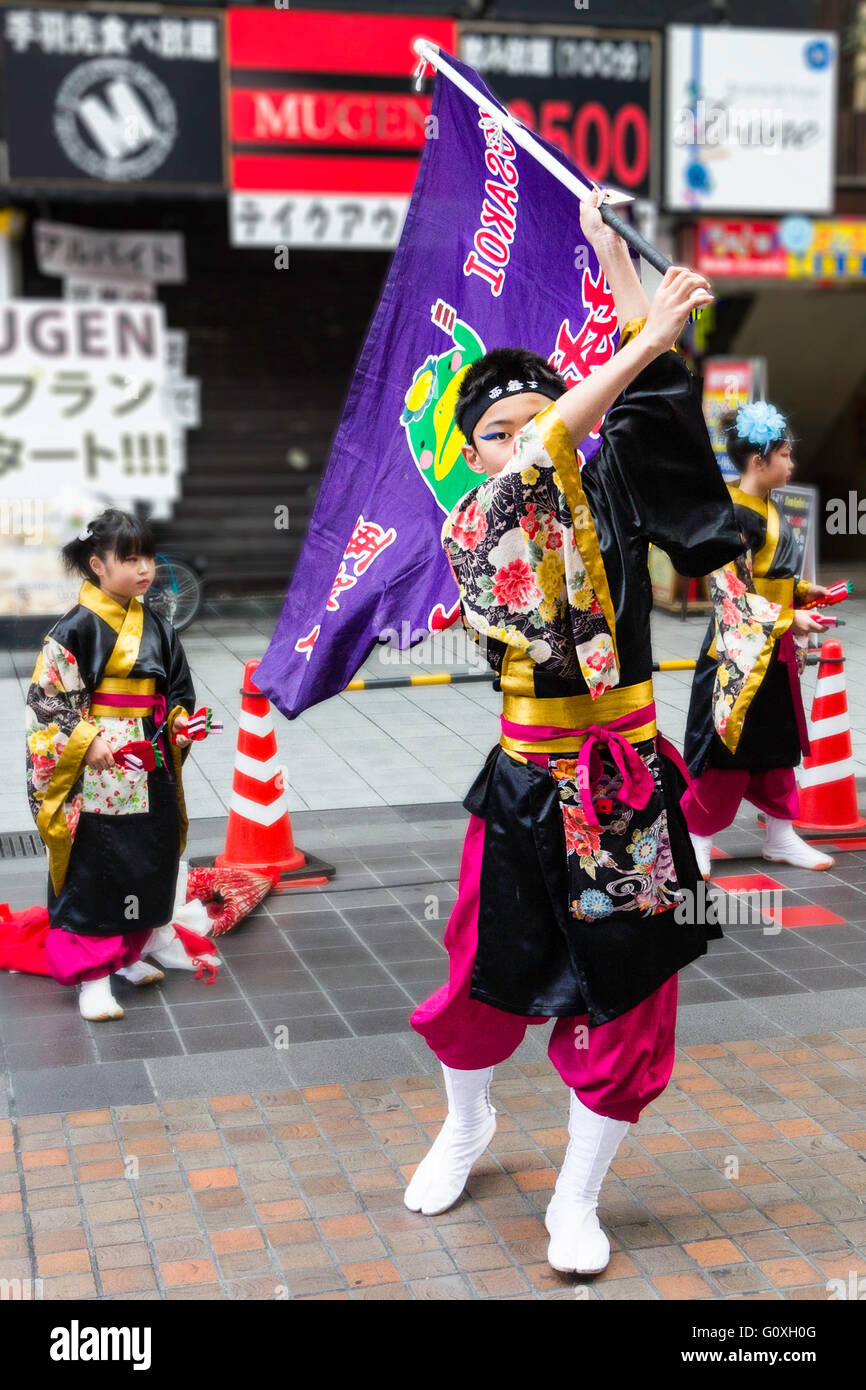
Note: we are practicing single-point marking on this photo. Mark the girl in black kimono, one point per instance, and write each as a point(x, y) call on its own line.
point(576, 850)
point(110, 672)
point(746, 726)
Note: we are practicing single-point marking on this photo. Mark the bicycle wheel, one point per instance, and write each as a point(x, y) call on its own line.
point(177, 592)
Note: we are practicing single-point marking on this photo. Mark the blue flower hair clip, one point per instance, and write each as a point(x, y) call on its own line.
point(761, 424)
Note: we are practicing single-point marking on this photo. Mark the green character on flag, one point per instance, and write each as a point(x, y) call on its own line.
point(428, 417)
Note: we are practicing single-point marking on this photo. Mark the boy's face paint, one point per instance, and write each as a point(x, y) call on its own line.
point(495, 431)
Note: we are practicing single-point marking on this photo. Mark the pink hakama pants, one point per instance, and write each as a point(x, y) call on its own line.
point(616, 1069)
point(73, 959)
point(713, 799)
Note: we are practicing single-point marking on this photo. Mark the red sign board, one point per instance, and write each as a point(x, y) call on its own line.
point(294, 129)
point(750, 249)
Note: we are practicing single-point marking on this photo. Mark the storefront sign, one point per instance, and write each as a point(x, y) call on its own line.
point(108, 291)
point(83, 400)
point(154, 257)
point(123, 97)
point(316, 220)
point(594, 95)
point(793, 248)
point(799, 506)
point(730, 382)
point(750, 119)
point(326, 133)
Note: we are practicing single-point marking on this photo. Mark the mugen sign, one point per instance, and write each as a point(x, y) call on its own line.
point(326, 132)
point(126, 98)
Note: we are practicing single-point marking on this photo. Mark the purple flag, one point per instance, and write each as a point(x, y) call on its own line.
point(491, 255)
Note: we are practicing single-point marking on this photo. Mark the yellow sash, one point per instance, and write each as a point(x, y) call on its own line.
point(520, 705)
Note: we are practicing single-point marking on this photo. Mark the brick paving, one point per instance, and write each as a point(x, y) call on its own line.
point(745, 1180)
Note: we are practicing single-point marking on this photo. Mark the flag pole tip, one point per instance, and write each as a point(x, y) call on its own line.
point(420, 44)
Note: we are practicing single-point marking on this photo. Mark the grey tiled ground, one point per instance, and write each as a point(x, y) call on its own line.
point(320, 980)
point(386, 747)
point(334, 972)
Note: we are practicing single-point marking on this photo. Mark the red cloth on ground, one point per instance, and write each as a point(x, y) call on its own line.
point(22, 940)
point(24, 943)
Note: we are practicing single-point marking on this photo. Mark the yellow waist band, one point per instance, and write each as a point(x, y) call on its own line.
point(122, 685)
point(576, 712)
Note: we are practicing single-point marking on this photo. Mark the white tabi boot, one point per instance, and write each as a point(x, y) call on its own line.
point(469, 1126)
point(96, 1001)
point(140, 973)
point(578, 1245)
point(783, 845)
point(702, 844)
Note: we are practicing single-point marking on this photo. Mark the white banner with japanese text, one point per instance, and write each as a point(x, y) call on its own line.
point(84, 399)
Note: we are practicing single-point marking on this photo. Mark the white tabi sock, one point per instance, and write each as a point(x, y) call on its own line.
point(140, 973)
point(469, 1126)
point(783, 845)
point(702, 844)
point(578, 1245)
point(96, 1001)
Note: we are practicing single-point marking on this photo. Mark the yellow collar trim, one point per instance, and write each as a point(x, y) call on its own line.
point(737, 716)
point(557, 442)
point(745, 499)
point(764, 506)
point(103, 605)
point(128, 623)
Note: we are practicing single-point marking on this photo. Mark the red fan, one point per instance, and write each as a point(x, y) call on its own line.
point(229, 894)
point(139, 756)
point(202, 723)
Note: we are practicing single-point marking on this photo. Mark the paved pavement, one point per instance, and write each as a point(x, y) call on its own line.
point(743, 1181)
point(387, 747)
point(317, 1099)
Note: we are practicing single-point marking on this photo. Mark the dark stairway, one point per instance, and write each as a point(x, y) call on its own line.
point(275, 351)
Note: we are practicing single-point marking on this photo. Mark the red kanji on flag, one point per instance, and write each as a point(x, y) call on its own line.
point(367, 541)
point(343, 580)
point(306, 644)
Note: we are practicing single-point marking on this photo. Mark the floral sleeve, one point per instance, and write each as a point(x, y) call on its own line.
point(748, 627)
point(512, 548)
point(57, 701)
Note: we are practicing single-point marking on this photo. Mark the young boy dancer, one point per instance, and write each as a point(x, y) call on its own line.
point(576, 847)
point(746, 727)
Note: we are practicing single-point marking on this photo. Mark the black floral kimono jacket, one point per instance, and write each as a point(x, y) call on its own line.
point(114, 838)
point(585, 845)
point(746, 710)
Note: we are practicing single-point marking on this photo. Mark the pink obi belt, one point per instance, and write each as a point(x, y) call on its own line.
point(637, 781)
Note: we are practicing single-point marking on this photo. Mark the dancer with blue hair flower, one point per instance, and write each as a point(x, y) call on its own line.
point(746, 726)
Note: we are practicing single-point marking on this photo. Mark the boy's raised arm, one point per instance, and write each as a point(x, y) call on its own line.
point(680, 291)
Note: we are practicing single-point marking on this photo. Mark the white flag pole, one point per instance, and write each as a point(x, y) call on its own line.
point(429, 53)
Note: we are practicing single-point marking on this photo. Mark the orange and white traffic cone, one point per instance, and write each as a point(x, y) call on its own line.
point(828, 788)
point(259, 834)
